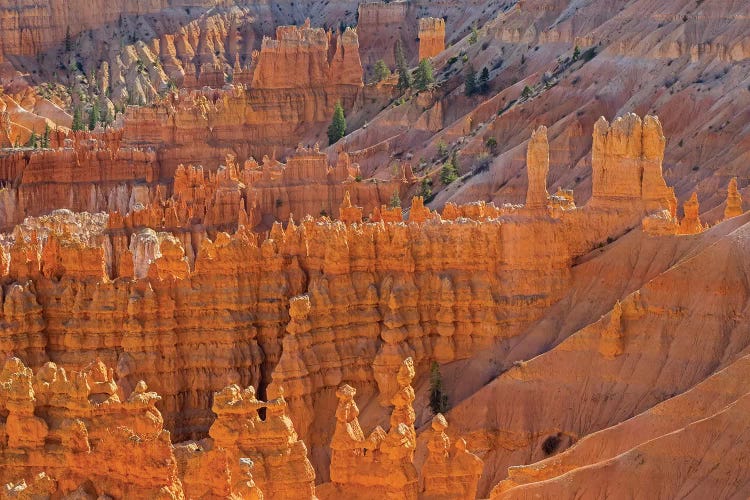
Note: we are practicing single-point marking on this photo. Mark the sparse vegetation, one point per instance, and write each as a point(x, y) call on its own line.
point(77, 119)
point(470, 82)
point(474, 37)
point(395, 200)
point(425, 189)
point(423, 77)
point(442, 149)
point(449, 171)
point(404, 78)
point(381, 71)
point(483, 85)
point(438, 398)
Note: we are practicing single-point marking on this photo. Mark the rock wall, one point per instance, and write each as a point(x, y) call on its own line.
point(362, 297)
point(297, 80)
point(431, 37)
point(89, 175)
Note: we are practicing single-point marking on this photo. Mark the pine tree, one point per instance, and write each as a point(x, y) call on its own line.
point(470, 82)
point(381, 71)
point(94, 116)
point(45, 137)
point(576, 53)
point(337, 129)
point(398, 54)
point(77, 120)
point(484, 81)
point(33, 141)
point(404, 78)
point(423, 77)
point(68, 42)
point(438, 399)
point(425, 188)
point(395, 200)
point(449, 172)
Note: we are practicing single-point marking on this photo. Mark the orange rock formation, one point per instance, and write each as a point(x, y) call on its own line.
point(297, 80)
point(431, 37)
point(734, 200)
point(691, 222)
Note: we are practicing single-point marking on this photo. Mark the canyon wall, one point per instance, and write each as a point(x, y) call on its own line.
point(296, 81)
point(81, 287)
point(92, 173)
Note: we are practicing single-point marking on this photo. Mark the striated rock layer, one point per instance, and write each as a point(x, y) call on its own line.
point(296, 81)
point(76, 290)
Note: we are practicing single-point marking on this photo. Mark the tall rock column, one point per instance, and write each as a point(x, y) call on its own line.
point(449, 474)
point(281, 468)
point(691, 223)
point(537, 169)
point(734, 200)
point(348, 440)
point(431, 37)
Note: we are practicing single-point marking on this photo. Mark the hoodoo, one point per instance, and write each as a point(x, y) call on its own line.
point(374, 250)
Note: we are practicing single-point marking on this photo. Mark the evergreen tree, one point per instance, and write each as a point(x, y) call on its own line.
point(68, 42)
point(337, 129)
point(398, 54)
point(77, 120)
point(425, 188)
point(94, 116)
point(423, 77)
point(484, 81)
point(381, 71)
point(45, 137)
point(527, 92)
point(576, 53)
point(438, 399)
point(404, 78)
point(33, 141)
point(470, 82)
point(395, 200)
point(449, 172)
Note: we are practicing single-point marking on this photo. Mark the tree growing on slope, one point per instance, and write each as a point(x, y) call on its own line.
point(337, 129)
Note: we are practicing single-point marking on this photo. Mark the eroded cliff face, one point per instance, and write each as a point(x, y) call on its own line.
point(93, 173)
point(296, 81)
point(383, 291)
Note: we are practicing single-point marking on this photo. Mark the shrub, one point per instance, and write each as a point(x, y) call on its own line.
point(474, 37)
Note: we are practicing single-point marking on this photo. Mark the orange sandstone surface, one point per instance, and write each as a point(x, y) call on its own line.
point(319, 312)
